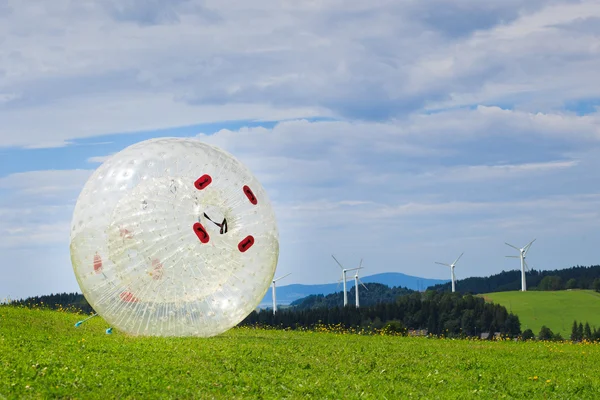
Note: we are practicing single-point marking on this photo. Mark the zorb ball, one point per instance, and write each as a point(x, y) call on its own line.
point(173, 237)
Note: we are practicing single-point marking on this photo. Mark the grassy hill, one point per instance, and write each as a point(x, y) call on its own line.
point(556, 310)
point(42, 355)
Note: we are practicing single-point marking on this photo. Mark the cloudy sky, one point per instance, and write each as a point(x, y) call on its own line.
point(404, 132)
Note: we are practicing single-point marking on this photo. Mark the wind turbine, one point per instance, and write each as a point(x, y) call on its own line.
point(524, 265)
point(356, 281)
point(344, 270)
point(274, 297)
point(452, 270)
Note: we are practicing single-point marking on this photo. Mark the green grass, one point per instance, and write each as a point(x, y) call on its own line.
point(43, 356)
point(556, 310)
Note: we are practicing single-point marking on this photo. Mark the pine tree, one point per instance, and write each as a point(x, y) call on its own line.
point(574, 332)
point(580, 331)
point(587, 332)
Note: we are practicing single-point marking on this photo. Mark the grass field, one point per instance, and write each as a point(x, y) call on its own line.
point(556, 310)
point(42, 355)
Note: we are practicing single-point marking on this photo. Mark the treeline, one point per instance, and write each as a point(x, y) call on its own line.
point(66, 301)
point(373, 294)
point(581, 332)
point(448, 314)
point(578, 277)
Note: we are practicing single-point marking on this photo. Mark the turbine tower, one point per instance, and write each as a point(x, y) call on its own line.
point(344, 270)
point(522, 253)
point(452, 270)
point(356, 282)
point(274, 298)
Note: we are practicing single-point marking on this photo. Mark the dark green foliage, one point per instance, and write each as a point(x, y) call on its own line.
point(581, 332)
point(575, 332)
point(557, 337)
point(587, 332)
point(468, 323)
point(57, 301)
point(492, 336)
point(395, 327)
point(550, 282)
point(527, 334)
point(571, 284)
point(512, 325)
point(545, 333)
point(448, 314)
point(585, 277)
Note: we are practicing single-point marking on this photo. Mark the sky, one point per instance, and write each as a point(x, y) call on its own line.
point(401, 132)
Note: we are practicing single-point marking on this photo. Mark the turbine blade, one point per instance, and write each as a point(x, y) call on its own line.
point(360, 265)
point(354, 269)
point(275, 280)
point(526, 248)
point(514, 247)
point(513, 256)
point(337, 262)
point(363, 285)
point(526, 266)
point(461, 254)
point(447, 265)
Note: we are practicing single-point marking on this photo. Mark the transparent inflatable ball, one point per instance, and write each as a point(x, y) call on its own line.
point(173, 237)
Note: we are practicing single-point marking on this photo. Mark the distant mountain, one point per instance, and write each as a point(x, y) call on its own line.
point(289, 293)
point(374, 294)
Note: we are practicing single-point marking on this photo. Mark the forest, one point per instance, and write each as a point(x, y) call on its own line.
point(578, 277)
point(370, 295)
point(55, 301)
point(436, 311)
point(448, 314)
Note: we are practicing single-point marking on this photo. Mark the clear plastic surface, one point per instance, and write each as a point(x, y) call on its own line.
point(173, 237)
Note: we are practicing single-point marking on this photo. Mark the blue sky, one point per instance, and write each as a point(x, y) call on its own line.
point(403, 132)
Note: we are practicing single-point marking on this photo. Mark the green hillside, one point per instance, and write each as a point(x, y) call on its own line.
point(556, 310)
point(42, 355)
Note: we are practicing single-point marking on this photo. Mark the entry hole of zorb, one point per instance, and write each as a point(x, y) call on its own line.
point(214, 219)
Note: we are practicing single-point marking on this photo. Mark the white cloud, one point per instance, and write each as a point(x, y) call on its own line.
point(425, 149)
point(54, 125)
point(405, 171)
point(329, 174)
point(98, 159)
point(45, 183)
point(487, 172)
point(38, 205)
point(89, 69)
point(534, 61)
point(34, 235)
point(375, 190)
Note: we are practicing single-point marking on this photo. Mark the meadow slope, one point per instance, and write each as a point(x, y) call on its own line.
point(42, 355)
point(556, 310)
